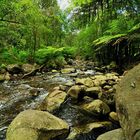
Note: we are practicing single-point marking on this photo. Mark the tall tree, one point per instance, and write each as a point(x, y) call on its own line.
point(30, 24)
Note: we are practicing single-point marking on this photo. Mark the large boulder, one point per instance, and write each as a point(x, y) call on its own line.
point(112, 135)
point(96, 107)
point(53, 101)
point(128, 103)
point(36, 125)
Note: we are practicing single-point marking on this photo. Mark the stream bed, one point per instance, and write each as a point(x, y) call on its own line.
point(19, 95)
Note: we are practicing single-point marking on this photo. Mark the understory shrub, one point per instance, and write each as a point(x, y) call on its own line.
point(13, 55)
point(54, 56)
point(51, 56)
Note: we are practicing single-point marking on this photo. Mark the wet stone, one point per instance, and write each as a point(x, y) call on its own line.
point(96, 107)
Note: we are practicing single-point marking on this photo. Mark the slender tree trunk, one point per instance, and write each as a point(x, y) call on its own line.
point(35, 43)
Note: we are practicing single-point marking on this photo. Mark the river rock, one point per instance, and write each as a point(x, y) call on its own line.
point(128, 103)
point(99, 80)
point(96, 107)
point(69, 83)
point(53, 101)
point(113, 116)
point(34, 92)
point(93, 92)
point(35, 125)
point(112, 135)
point(2, 70)
point(84, 81)
point(63, 88)
point(88, 131)
point(56, 88)
point(54, 71)
point(28, 68)
point(4, 77)
point(86, 99)
point(76, 92)
point(113, 82)
point(109, 78)
point(73, 74)
point(68, 70)
point(112, 76)
point(74, 115)
point(108, 96)
point(70, 61)
point(111, 90)
point(14, 69)
point(107, 87)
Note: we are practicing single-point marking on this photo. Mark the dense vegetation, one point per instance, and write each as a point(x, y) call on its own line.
point(39, 31)
point(102, 23)
point(28, 27)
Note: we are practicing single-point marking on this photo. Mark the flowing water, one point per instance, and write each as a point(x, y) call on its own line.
point(19, 95)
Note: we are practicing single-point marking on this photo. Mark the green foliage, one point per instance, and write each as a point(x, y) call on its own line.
point(45, 54)
point(8, 55)
point(83, 41)
point(60, 61)
point(99, 23)
point(120, 25)
point(81, 2)
point(69, 52)
point(23, 56)
point(106, 39)
point(54, 56)
point(2, 66)
point(27, 25)
point(12, 55)
point(134, 28)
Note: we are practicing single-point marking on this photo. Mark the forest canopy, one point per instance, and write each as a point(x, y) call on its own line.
point(31, 29)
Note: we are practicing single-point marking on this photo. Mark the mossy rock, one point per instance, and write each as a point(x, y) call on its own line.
point(128, 103)
point(36, 125)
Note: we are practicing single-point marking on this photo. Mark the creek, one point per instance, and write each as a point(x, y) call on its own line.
point(19, 95)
